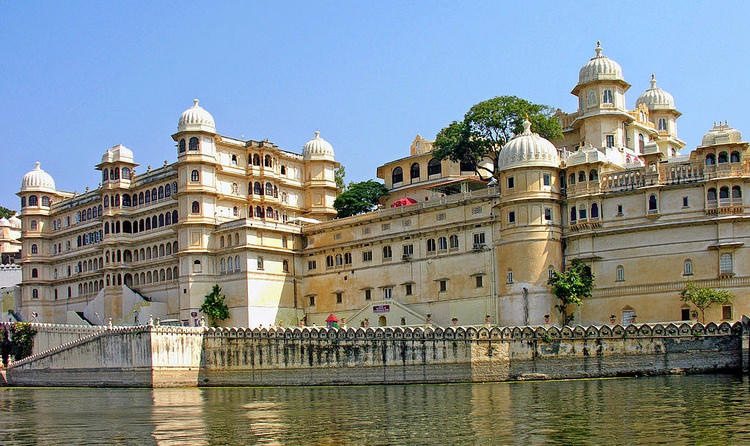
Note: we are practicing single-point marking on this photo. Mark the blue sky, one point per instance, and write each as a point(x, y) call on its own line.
point(81, 77)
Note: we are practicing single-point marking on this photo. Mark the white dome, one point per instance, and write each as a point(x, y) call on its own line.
point(599, 68)
point(118, 153)
point(196, 118)
point(721, 134)
point(4, 223)
point(655, 98)
point(317, 148)
point(15, 222)
point(528, 150)
point(37, 179)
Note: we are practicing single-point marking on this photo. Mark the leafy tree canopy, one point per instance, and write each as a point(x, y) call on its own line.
point(703, 297)
point(6, 213)
point(571, 287)
point(339, 175)
point(214, 307)
point(359, 198)
point(487, 126)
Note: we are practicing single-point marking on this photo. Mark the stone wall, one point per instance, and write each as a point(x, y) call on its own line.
point(179, 356)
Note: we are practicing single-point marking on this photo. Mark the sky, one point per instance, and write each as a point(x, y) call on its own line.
point(80, 77)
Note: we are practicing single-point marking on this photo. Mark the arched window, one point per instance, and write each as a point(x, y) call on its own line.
point(581, 177)
point(442, 243)
point(434, 167)
point(223, 266)
point(35, 249)
point(723, 157)
point(607, 97)
point(182, 145)
point(148, 223)
point(237, 263)
point(591, 98)
point(195, 176)
point(105, 174)
point(193, 145)
point(453, 241)
point(235, 189)
point(414, 171)
point(593, 175)
point(594, 210)
point(35, 293)
point(236, 211)
point(431, 247)
point(724, 192)
point(641, 142)
point(167, 190)
point(347, 258)
point(33, 200)
point(168, 218)
point(710, 159)
point(45, 201)
point(663, 126)
point(234, 160)
point(573, 214)
point(620, 273)
point(153, 194)
point(269, 189)
point(267, 161)
point(196, 208)
point(339, 260)
point(285, 266)
point(256, 160)
point(117, 174)
point(260, 263)
point(652, 205)
point(174, 217)
point(397, 176)
point(125, 173)
point(736, 193)
point(160, 193)
point(735, 157)
point(34, 273)
point(329, 261)
point(23, 202)
point(571, 179)
point(711, 194)
point(582, 212)
point(161, 220)
point(688, 267)
point(33, 225)
point(283, 169)
point(269, 212)
point(258, 189)
point(387, 252)
point(126, 200)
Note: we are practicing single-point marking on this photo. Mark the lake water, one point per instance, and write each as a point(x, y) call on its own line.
point(699, 409)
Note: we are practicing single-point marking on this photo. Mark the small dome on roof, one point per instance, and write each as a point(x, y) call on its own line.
point(721, 134)
point(599, 68)
point(528, 150)
point(655, 98)
point(15, 222)
point(196, 118)
point(317, 148)
point(118, 153)
point(4, 223)
point(37, 180)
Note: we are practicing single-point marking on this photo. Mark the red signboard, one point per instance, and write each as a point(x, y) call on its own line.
point(381, 308)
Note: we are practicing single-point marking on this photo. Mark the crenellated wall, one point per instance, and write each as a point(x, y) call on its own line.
point(178, 356)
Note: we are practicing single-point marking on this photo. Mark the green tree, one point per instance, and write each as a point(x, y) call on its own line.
point(571, 287)
point(22, 336)
point(214, 307)
point(339, 175)
point(6, 213)
point(359, 198)
point(487, 126)
point(703, 297)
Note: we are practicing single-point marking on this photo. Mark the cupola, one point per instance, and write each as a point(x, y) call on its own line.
point(528, 149)
point(37, 180)
point(196, 118)
point(655, 98)
point(317, 149)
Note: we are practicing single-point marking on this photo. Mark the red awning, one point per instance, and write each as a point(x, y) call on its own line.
point(406, 201)
point(332, 318)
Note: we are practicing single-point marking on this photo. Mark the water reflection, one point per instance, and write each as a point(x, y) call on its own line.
point(708, 409)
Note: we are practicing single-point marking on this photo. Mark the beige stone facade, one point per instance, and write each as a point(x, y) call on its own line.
point(614, 191)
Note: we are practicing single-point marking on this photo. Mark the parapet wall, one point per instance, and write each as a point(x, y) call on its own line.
point(169, 356)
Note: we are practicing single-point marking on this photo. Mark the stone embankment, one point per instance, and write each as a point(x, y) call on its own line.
point(151, 356)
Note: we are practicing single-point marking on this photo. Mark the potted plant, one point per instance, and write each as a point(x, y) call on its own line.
point(546, 319)
point(612, 319)
point(429, 318)
point(454, 320)
point(367, 322)
point(487, 319)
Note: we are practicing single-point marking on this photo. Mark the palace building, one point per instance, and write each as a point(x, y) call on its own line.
point(615, 191)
